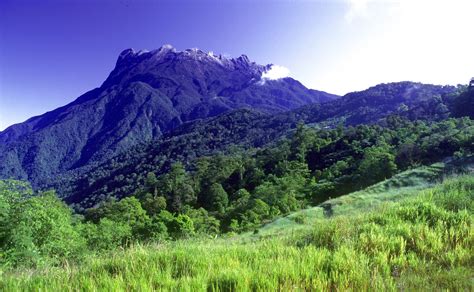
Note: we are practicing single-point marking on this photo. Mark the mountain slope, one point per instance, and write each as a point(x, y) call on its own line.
point(246, 129)
point(146, 95)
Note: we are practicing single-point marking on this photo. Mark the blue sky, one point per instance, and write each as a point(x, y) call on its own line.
point(51, 51)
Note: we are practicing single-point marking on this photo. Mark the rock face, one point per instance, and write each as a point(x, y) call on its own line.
point(146, 95)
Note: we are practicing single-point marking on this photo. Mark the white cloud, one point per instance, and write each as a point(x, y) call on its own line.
point(276, 72)
point(357, 8)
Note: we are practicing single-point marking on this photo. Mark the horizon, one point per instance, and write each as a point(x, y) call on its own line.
point(333, 46)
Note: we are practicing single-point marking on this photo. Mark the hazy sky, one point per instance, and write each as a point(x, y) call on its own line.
point(51, 51)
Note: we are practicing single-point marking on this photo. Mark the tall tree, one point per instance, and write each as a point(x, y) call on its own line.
point(218, 198)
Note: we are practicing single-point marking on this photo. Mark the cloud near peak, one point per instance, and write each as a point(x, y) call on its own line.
point(276, 72)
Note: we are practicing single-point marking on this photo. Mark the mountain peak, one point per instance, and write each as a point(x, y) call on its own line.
point(125, 54)
point(131, 56)
point(147, 94)
point(132, 63)
point(164, 50)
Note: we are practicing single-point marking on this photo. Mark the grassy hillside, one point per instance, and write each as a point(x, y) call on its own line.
point(401, 186)
point(422, 242)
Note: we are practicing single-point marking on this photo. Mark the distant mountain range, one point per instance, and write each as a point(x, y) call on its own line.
point(147, 94)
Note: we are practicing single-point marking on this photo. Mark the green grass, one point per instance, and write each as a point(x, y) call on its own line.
point(400, 186)
point(423, 242)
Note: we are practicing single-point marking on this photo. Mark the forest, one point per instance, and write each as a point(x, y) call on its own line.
point(225, 194)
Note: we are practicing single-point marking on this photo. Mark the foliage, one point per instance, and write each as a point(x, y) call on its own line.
point(122, 173)
point(463, 105)
point(246, 188)
point(37, 230)
point(378, 164)
point(423, 243)
point(107, 234)
point(228, 192)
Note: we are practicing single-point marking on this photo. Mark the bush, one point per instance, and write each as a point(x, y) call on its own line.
point(40, 230)
point(106, 235)
point(181, 227)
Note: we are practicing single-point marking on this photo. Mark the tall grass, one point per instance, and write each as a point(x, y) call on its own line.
point(399, 187)
point(423, 243)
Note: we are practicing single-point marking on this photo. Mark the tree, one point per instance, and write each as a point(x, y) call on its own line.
point(40, 229)
point(256, 212)
point(253, 177)
point(203, 222)
point(241, 196)
point(464, 104)
point(153, 204)
point(11, 193)
point(292, 168)
point(300, 142)
point(155, 229)
point(107, 234)
point(127, 211)
point(281, 192)
point(234, 226)
point(181, 226)
point(378, 164)
point(151, 184)
point(177, 188)
point(407, 155)
point(218, 198)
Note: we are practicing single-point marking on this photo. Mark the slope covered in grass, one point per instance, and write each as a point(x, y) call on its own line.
point(422, 242)
point(401, 186)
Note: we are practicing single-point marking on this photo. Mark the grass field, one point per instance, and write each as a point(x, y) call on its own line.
point(401, 186)
point(423, 241)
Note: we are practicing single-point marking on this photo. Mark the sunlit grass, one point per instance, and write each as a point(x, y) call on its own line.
point(424, 242)
point(400, 186)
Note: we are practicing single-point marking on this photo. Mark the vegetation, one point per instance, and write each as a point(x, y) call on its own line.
point(224, 193)
point(400, 187)
point(420, 243)
point(241, 190)
point(221, 194)
point(331, 205)
point(122, 172)
point(463, 105)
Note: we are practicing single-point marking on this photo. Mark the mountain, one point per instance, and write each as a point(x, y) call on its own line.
point(246, 128)
point(412, 100)
point(146, 95)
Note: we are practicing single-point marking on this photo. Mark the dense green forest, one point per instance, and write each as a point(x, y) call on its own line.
point(122, 174)
point(222, 194)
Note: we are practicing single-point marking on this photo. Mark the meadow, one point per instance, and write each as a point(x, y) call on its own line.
point(423, 241)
